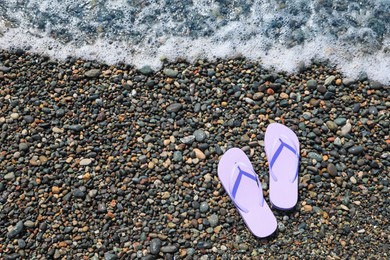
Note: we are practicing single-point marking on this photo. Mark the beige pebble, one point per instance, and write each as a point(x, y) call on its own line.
point(307, 208)
point(283, 95)
point(85, 162)
point(199, 154)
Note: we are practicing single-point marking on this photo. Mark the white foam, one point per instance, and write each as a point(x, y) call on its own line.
point(242, 37)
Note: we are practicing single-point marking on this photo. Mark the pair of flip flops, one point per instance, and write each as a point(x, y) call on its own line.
point(243, 185)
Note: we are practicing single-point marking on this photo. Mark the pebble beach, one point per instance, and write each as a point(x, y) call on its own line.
point(111, 162)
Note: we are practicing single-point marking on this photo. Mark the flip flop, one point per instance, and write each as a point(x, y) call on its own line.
point(282, 149)
point(244, 188)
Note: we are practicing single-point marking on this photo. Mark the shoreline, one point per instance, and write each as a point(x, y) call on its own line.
point(111, 162)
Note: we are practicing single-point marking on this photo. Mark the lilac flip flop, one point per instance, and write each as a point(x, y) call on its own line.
point(244, 188)
point(282, 149)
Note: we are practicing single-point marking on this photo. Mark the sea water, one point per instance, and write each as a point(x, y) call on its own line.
point(282, 34)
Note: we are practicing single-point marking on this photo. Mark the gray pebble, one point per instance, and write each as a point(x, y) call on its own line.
point(200, 135)
point(23, 146)
point(340, 121)
point(175, 107)
point(9, 176)
point(17, 229)
point(188, 139)
point(93, 73)
point(204, 207)
point(311, 84)
point(110, 256)
point(155, 246)
point(28, 119)
point(177, 156)
point(78, 193)
point(315, 156)
point(169, 249)
point(146, 70)
point(213, 219)
point(356, 150)
point(76, 128)
point(170, 73)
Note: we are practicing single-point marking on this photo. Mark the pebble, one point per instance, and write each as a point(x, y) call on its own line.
point(9, 176)
point(200, 135)
point(204, 207)
point(16, 230)
point(199, 154)
point(329, 80)
point(174, 108)
point(155, 246)
point(356, 150)
point(340, 121)
point(85, 162)
point(93, 73)
point(170, 73)
point(28, 119)
point(311, 84)
point(332, 170)
point(23, 146)
point(188, 139)
point(169, 249)
point(14, 115)
point(177, 156)
point(213, 219)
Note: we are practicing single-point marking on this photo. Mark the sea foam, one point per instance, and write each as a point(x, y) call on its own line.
point(351, 35)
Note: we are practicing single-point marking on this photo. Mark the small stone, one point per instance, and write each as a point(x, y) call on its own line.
point(170, 73)
point(340, 121)
point(177, 156)
point(329, 80)
point(331, 125)
point(110, 256)
point(373, 110)
point(315, 156)
point(102, 208)
point(146, 70)
point(353, 180)
point(57, 130)
point(169, 249)
point(281, 227)
point(188, 139)
point(28, 119)
point(23, 146)
point(199, 154)
point(332, 170)
point(355, 150)
point(85, 162)
point(175, 107)
point(213, 219)
point(14, 115)
point(311, 84)
point(307, 208)
point(78, 193)
point(55, 189)
point(93, 73)
point(29, 224)
point(76, 128)
point(9, 176)
point(16, 230)
point(204, 207)
point(155, 246)
point(200, 135)
point(346, 128)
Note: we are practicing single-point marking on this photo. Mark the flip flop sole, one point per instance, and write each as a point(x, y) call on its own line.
point(282, 150)
point(259, 218)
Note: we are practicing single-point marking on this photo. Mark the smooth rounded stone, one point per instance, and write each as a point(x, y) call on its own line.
point(16, 230)
point(204, 245)
point(5, 69)
point(315, 156)
point(177, 156)
point(92, 73)
point(102, 208)
point(204, 207)
point(110, 256)
point(337, 142)
point(92, 193)
point(373, 110)
point(29, 224)
point(76, 128)
point(91, 155)
point(14, 115)
point(340, 121)
point(200, 135)
point(9, 176)
point(23, 146)
point(188, 139)
point(213, 219)
point(28, 119)
point(332, 170)
point(281, 227)
point(21, 243)
point(85, 162)
point(175, 107)
point(60, 112)
point(331, 125)
point(155, 246)
point(199, 154)
point(328, 95)
point(170, 73)
point(346, 129)
point(322, 89)
point(13, 256)
point(57, 130)
point(169, 249)
point(311, 84)
point(146, 70)
point(77, 193)
point(355, 150)
point(197, 108)
point(329, 80)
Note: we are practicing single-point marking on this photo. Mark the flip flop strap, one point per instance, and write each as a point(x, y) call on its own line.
point(276, 155)
point(234, 189)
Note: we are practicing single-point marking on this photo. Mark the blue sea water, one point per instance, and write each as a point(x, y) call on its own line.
point(282, 34)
